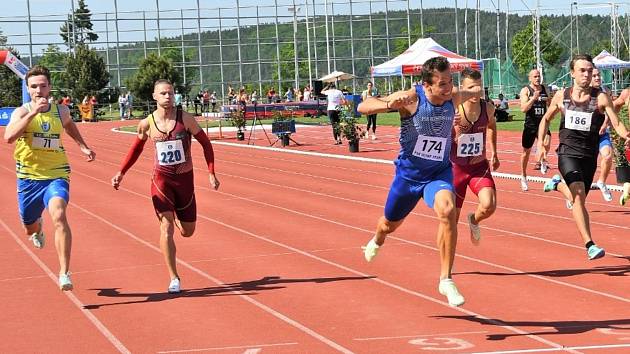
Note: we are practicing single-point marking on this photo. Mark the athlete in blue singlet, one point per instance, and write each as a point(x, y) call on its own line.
point(423, 168)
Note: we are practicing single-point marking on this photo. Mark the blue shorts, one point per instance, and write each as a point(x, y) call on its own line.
point(34, 195)
point(604, 140)
point(404, 195)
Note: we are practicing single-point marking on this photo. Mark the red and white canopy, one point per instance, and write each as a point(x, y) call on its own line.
point(410, 62)
point(605, 60)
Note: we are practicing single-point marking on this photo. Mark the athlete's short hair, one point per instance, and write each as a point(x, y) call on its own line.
point(580, 57)
point(472, 74)
point(160, 82)
point(36, 71)
point(439, 64)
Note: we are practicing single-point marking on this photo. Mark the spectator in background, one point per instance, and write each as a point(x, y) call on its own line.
point(198, 100)
point(335, 101)
point(289, 95)
point(501, 112)
point(270, 95)
point(205, 99)
point(122, 106)
point(130, 104)
point(371, 91)
point(213, 100)
point(178, 99)
point(307, 93)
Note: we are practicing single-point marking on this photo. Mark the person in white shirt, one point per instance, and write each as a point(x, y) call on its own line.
point(335, 101)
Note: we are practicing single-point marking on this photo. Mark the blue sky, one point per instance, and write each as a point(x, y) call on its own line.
point(48, 14)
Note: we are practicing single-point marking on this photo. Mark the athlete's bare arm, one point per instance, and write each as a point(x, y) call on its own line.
point(461, 94)
point(492, 136)
point(526, 101)
point(72, 130)
point(402, 101)
point(554, 108)
point(21, 117)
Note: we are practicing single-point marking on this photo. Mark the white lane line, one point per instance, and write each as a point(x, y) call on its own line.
point(218, 282)
point(421, 335)
point(309, 255)
point(95, 321)
point(542, 350)
point(248, 347)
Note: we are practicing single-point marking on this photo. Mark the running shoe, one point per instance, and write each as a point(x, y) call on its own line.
point(475, 232)
point(552, 184)
point(374, 137)
point(623, 199)
point(524, 186)
point(544, 167)
point(447, 288)
point(65, 283)
point(605, 191)
point(38, 239)
point(370, 250)
point(537, 166)
point(175, 286)
point(595, 252)
point(569, 204)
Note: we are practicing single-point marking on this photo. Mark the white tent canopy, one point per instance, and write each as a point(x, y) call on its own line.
point(605, 60)
point(336, 76)
point(410, 62)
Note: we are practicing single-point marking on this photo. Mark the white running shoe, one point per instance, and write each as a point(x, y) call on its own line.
point(605, 191)
point(475, 232)
point(374, 136)
point(544, 167)
point(447, 288)
point(38, 239)
point(175, 286)
point(370, 250)
point(524, 186)
point(65, 283)
point(569, 204)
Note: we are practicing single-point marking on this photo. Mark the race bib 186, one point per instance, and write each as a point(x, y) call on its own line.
point(170, 152)
point(470, 145)
point(430, 148)
point(578, 120)
point(45, 141)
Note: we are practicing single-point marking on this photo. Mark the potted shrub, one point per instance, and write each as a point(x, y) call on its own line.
point(348, 128)
point(622, 166)
point(238, 120)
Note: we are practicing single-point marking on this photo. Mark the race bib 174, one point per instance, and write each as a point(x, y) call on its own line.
point(430, 148)
point(578, 120)
point(170, 152)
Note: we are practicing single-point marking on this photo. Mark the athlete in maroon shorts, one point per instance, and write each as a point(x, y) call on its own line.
point(468, 155)
point(172, 183)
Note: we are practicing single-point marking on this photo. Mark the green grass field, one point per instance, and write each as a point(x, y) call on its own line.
point(385, 119)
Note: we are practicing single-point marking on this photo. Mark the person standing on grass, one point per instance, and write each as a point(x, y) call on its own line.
point(584, 109)
point(172, 183)
point(471, 169)
point(534, 102)
point(370, 91)
point(335, 99)
point(42, 166)
point(423, 166)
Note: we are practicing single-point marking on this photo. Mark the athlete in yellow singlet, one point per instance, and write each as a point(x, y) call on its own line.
point(42, 166)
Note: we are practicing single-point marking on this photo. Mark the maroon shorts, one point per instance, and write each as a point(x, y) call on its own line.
point(176, 194)
point(475, 176)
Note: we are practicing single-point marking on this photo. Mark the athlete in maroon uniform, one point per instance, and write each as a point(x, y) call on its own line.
point(468, 155)
point(172, 183)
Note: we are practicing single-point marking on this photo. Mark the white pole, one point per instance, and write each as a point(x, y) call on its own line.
point(327, 36)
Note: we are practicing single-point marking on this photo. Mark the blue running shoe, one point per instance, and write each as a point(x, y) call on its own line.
point(595, 252)
point(552, 184)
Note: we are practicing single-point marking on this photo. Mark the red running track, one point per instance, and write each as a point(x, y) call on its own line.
point(276, 265)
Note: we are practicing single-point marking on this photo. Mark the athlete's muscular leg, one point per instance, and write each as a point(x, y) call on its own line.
point(605, 164)
point(167, 243)
point(524, 161)
point(547, 145)
point(384, 228)
point(580, 215)
point(487, 204)
point(444, 206)
point(187, 229)
point(63, 235)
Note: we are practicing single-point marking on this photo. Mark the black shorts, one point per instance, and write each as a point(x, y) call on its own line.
point(529, 136)
point(577, 169)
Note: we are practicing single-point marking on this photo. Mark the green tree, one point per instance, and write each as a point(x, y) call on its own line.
point(10, 85)
point(523, 46)
point(402, 44)
point(86, 72)
point(287, 65)
point(151, 69)
point(78, 30)
point(601, 45)
point(55, 61)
